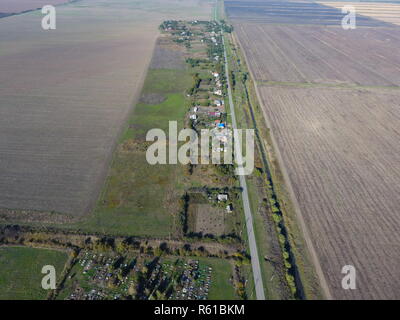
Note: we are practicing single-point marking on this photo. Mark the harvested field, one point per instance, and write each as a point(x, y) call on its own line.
point(17, 6)
point(341, 150)
point(331, 99)
point(364, 56)
point(388, 12)
point(65, 94)
point(290, 12)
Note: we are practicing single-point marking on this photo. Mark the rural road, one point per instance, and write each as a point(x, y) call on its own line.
point(255, 262)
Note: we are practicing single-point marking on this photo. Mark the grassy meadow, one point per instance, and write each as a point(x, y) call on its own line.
point(139, 198)
point(20, 271)
point(221, 287)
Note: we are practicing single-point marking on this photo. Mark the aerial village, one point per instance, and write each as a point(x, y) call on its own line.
point(209, 88)
point(104, 275)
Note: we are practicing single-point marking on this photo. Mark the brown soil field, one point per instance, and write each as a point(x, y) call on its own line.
point(340, 148)
point(317, 54)
point(65, 95)
point(330, 98)
point(291, 12)
point(16, 6)
point(388, 12)
point(208, 219)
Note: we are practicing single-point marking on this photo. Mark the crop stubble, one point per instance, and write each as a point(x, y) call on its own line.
point(340, 149)
point(322, 54)
point(331, 98)
point(65, 95)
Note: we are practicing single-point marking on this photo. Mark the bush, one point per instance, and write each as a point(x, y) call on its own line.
point(277, 218)
point(282, 239)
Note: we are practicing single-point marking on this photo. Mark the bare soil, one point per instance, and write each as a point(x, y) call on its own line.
point(340, 150)
point(65, 96)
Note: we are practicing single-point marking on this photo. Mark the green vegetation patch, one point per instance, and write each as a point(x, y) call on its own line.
point(20, 271)
point(98, 276)
point(221, 287)
point(139, 198)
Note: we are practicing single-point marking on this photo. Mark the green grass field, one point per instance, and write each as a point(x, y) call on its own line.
point(139, 198)
point(20, 271)
point(221, 288)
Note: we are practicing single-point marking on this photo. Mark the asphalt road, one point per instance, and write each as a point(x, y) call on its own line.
point(255, 262)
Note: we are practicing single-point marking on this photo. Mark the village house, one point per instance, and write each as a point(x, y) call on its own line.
point(214, 114)
point(218, 103)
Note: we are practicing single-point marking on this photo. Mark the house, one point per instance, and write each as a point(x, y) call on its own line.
point(218, 92)
point(222, 197)
point(195, 109)
point(193, 117)
point(215, 74)
point(215, 114)
point(218, 103)
point(229, 208)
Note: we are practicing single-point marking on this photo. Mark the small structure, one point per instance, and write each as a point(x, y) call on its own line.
point(229, 208)
point(218, 103)
point(222, 197)
point(215, 114)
